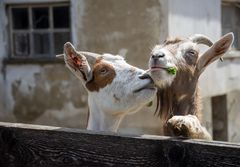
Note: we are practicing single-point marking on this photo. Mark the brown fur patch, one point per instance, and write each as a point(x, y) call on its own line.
point(172, 48)
point(181, 97)
point(172, 44)
point(103, 74)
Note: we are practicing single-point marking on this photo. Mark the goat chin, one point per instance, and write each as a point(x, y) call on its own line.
point(161, 78)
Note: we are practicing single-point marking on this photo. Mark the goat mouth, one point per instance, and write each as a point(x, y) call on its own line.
point(170, 70)
point(150, 86)
point(156, 68)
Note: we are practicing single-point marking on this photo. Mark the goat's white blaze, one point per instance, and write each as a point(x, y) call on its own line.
point(158, 70)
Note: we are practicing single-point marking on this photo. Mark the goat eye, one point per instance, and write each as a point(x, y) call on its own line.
point(191, 57)
point(103, 71)
point(191, 53)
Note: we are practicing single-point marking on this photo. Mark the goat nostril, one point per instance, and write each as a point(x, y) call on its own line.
point(144, 76)
point(161, 55)
point(158, 55)
point(153, 56)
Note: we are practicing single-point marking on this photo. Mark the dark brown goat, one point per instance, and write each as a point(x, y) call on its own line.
point(178, 97)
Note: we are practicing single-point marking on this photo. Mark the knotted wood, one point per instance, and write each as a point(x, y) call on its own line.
point(24, 145)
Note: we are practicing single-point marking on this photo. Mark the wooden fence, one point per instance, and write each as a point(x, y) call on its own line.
point(24, 145)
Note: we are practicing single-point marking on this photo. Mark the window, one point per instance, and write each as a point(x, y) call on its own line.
point(231, 21)
point(38, 31)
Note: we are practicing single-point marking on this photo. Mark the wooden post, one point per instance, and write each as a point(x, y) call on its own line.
point(24, 145)
point(220, 118)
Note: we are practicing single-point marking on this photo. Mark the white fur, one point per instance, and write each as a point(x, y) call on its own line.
point(111, 104)
point(161, 77)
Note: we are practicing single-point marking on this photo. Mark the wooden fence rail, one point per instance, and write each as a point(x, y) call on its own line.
point(24, 145)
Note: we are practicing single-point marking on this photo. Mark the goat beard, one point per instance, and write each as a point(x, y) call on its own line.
point(162, 78)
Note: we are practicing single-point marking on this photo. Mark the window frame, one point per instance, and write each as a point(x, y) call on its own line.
point(233, 53)
point(50, 31)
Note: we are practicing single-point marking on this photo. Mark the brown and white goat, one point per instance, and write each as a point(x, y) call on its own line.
point(114, 87)
point(178, 97)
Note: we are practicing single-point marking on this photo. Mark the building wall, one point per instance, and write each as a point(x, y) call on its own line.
point(125, 27)
point(204, 17)
point(49, 94)
point(233, 99)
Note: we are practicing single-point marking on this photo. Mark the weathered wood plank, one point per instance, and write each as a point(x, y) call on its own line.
point(27, 145)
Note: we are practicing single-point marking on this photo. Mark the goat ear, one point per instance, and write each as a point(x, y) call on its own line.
point(77, 63)
point(215, 52)
point(69, 49)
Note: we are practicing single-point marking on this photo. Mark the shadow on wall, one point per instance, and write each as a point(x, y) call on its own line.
point(50, 96)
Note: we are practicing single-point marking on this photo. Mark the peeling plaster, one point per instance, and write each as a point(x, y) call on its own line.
point(34, 90)
point(19, 73)
point(68, 116)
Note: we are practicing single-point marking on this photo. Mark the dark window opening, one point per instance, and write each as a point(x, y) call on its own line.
point(19, 18)
point(40, 18)
point(231, 21)
point(61, 17)
point(220, 121)
point(39, 30)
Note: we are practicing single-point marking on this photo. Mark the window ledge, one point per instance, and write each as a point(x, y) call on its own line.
point(7, 61)
point(232, 55)
point(32, 1)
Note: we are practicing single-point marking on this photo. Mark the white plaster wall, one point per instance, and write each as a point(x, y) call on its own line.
point(77, 13)
point(23, 73)
point(221, 78)
point(188, 17)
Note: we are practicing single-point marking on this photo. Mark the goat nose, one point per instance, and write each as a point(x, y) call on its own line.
point(158, 55)
point(144, 76)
